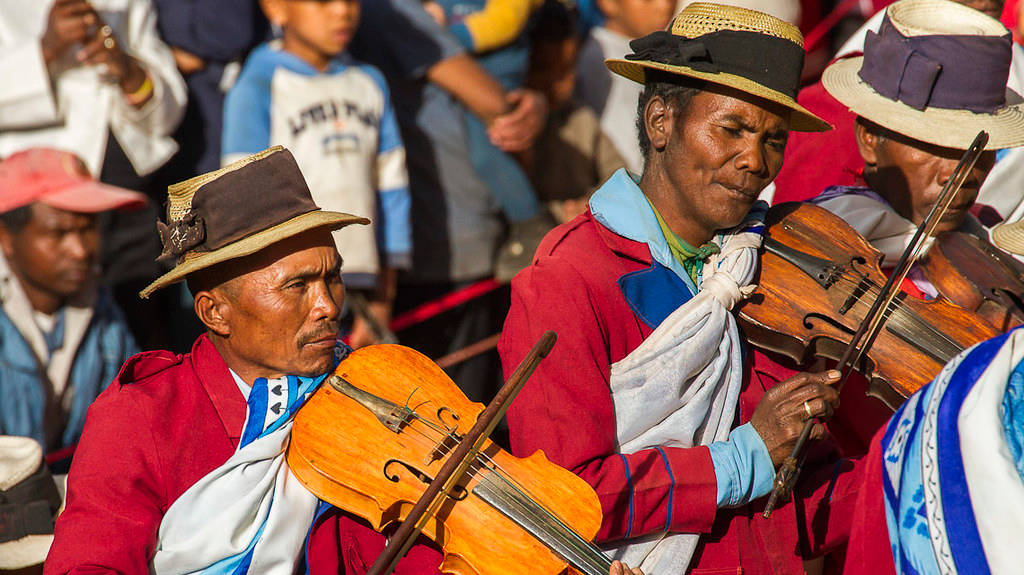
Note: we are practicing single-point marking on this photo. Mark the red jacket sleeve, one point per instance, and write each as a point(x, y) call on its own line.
point(566, 410)
point(115, 497)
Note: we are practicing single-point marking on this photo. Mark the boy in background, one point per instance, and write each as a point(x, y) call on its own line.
point(303, 91)
point(573, 156)
point(613, 97)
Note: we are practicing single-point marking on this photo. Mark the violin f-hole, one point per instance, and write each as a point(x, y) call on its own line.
point(809, 324)
point(451, 427)
point(458, 493)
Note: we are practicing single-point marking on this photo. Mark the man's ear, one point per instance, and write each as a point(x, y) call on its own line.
point(274, 11)
point(6, 241)
point(658, 121)
point(867, 144)
point(214, 310)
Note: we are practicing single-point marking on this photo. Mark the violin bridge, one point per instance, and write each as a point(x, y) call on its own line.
point(857, 293)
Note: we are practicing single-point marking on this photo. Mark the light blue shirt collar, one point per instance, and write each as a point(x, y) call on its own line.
point(620, 206)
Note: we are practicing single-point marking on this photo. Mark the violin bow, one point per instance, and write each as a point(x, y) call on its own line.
point(454, 469)
point(875, 319)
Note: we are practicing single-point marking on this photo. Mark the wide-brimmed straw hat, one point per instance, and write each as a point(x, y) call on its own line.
point(236, 211)
point(29, 503)
point(1009, 237)
point(936, 71)
point(743, 49)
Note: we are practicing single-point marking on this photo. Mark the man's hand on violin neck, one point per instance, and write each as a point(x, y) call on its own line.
point(781, 413)
point(620, 568)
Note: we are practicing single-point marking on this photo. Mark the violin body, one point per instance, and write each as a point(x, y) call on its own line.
point(977, 276)
point(374, 450)
point(817, 281)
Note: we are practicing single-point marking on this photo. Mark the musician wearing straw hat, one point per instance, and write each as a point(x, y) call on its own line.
point(930, 79)
point(181, 465)
point(651, 394)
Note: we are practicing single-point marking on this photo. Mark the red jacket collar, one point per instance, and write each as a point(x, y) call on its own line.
point(215, 378)
point(638, 251)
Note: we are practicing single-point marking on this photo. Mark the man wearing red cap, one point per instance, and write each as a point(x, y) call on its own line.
point(61, 340)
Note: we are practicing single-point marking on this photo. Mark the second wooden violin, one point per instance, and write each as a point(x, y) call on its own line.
point(817, 280)
point(977, 276)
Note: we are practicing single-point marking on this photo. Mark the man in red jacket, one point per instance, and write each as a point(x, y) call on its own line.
point(181, 468)
point(651, 394)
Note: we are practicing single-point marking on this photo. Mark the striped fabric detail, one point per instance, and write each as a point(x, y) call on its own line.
point(671, 489)
point(629, 481)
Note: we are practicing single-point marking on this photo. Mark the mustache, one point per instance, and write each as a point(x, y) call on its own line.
point(328, 328)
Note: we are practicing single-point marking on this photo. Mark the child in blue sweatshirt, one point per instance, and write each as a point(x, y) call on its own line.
point(303, 91)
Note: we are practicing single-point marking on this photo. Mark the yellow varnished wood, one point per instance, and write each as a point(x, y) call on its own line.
point(339, 451)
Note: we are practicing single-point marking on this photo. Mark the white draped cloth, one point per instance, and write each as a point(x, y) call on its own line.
point(251, 514)
point(680, 387)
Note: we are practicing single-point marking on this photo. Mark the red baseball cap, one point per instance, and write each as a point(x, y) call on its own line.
point(61, 180)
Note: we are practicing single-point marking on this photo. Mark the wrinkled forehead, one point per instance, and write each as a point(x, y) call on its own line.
point(717, 103)
point(309, 253)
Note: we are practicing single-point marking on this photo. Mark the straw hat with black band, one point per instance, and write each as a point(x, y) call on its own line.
point(936, 72)
point(236, 211)
point(743, 49)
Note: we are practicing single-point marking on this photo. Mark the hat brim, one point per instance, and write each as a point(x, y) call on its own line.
point(25, 552)
point(1009, 237)
point(252, 244)
point(801, 119)
point(91, 197)
point(939, 126)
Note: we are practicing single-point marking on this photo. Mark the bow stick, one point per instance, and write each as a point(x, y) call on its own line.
point(454, 469)
point(875, 319)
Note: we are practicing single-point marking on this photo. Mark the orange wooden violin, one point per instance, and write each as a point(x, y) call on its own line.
point(373, 437)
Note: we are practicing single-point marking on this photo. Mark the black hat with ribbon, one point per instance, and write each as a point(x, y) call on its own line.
point(236, 211)
point(936, 72)
point(744, 49)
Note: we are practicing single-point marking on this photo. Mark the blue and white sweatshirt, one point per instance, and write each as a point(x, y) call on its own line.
point(340, 126)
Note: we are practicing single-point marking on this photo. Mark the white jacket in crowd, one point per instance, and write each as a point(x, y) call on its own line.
point(69, 106)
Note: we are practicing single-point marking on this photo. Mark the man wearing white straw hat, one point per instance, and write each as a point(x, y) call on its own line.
point(931, 78)
point(181, 465)
point(651, 394)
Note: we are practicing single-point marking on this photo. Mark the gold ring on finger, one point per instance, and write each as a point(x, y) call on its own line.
point(807, 409)
point(109, 43)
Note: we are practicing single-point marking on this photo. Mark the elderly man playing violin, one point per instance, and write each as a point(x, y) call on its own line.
point(930, 79)
point(651, 394)
point(181, 468)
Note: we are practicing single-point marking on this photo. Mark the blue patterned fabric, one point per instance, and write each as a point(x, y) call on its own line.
point(934, 524)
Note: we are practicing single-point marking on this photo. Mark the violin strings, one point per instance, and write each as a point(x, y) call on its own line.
point(902, 314)
point(914, 316)
point(905, 318)
point(524, 503)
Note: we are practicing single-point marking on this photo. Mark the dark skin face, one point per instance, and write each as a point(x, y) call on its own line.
point(276, 312)
point(704, 171)
point(910, 174)
point(706, 167)
point(314, 30)
point(53, 255)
